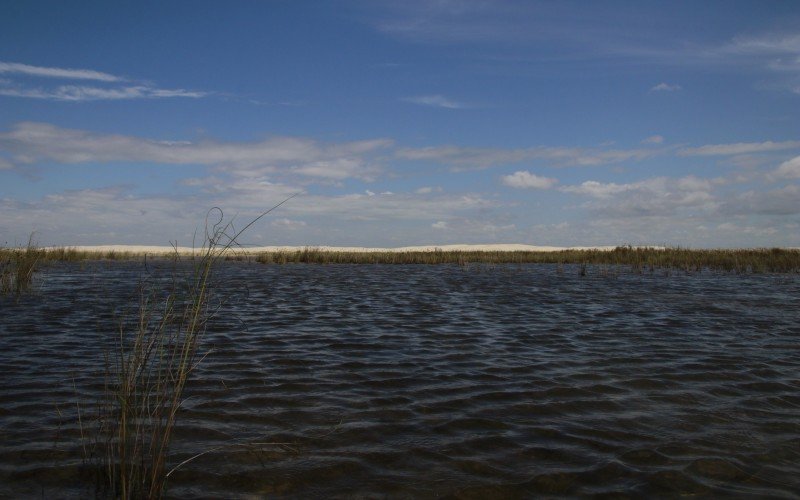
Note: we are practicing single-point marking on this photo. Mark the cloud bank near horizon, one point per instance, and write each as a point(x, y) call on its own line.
point(247, 176)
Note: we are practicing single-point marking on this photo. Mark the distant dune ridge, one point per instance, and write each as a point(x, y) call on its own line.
point(424, 248)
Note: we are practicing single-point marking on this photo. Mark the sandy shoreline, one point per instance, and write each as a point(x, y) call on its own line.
point(161, 250)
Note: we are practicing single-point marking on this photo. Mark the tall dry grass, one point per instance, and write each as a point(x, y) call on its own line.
point(17, 267)
point(146, 378)
point(147, 374)
point(637, 258)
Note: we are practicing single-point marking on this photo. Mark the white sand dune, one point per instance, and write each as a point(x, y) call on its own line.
point(140, 249)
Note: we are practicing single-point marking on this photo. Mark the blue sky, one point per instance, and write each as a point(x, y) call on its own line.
point(402, 123)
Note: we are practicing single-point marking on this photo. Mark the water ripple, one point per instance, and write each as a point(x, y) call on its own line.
point(432, 381)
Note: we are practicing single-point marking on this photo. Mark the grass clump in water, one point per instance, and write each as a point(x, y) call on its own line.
point(17, 267)
point(145, 381)
point(147, 375)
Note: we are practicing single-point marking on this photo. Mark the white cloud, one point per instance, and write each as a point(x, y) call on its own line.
point(748, 230)
point(288, 223)
point(738, 148)
point(456, 155)
point(396, 207)
point(28, 143)
point(692, 183)
point(436, 101)
point(428, 190)
point(526, 180)
point(119, 215)
point(338, 169)
point(481, 226)
point(463, 158)
point(660, 196)
point(783, 201)
point(666, 87)
point(598, 189)
point(775, 43)
point(247, 196)
point(653, 139)
point(749, 161)
point(5, 164)
point(64, 73)
point(789, 169)
point(778, 52)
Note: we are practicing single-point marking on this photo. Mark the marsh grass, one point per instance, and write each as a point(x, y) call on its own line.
point(639, 259)
point(146, 375)
point(17, 267)
point(145, 381)
point(66, 254)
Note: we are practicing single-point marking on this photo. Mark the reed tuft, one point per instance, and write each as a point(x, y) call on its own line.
point(17, 267)
point(147, 374)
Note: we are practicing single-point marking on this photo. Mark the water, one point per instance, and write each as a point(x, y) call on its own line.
point(431, 381)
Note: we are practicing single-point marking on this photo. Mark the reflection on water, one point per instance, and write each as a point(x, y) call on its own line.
point(417, 381)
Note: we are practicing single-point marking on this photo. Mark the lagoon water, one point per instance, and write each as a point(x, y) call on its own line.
point(431, 381)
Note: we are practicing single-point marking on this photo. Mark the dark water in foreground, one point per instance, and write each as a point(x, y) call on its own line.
point(417, 381)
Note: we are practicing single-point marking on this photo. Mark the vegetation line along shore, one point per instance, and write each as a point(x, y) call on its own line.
point(753, 260)
point(14, 262)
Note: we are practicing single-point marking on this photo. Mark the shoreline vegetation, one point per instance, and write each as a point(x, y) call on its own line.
point(13, 261)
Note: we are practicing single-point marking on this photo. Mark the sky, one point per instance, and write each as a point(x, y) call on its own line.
point(401, 123)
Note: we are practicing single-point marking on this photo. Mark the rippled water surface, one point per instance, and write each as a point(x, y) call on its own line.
point(431, 381)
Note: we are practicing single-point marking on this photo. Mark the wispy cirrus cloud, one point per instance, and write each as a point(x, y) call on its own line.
point(116, 87)
point(587, 34)
point(450, 22)
point(653, 139)
point(776, 51)
point(739, 148)
point(64, 73)
point(436, 101)
point(775, 54)
point(77, 93)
